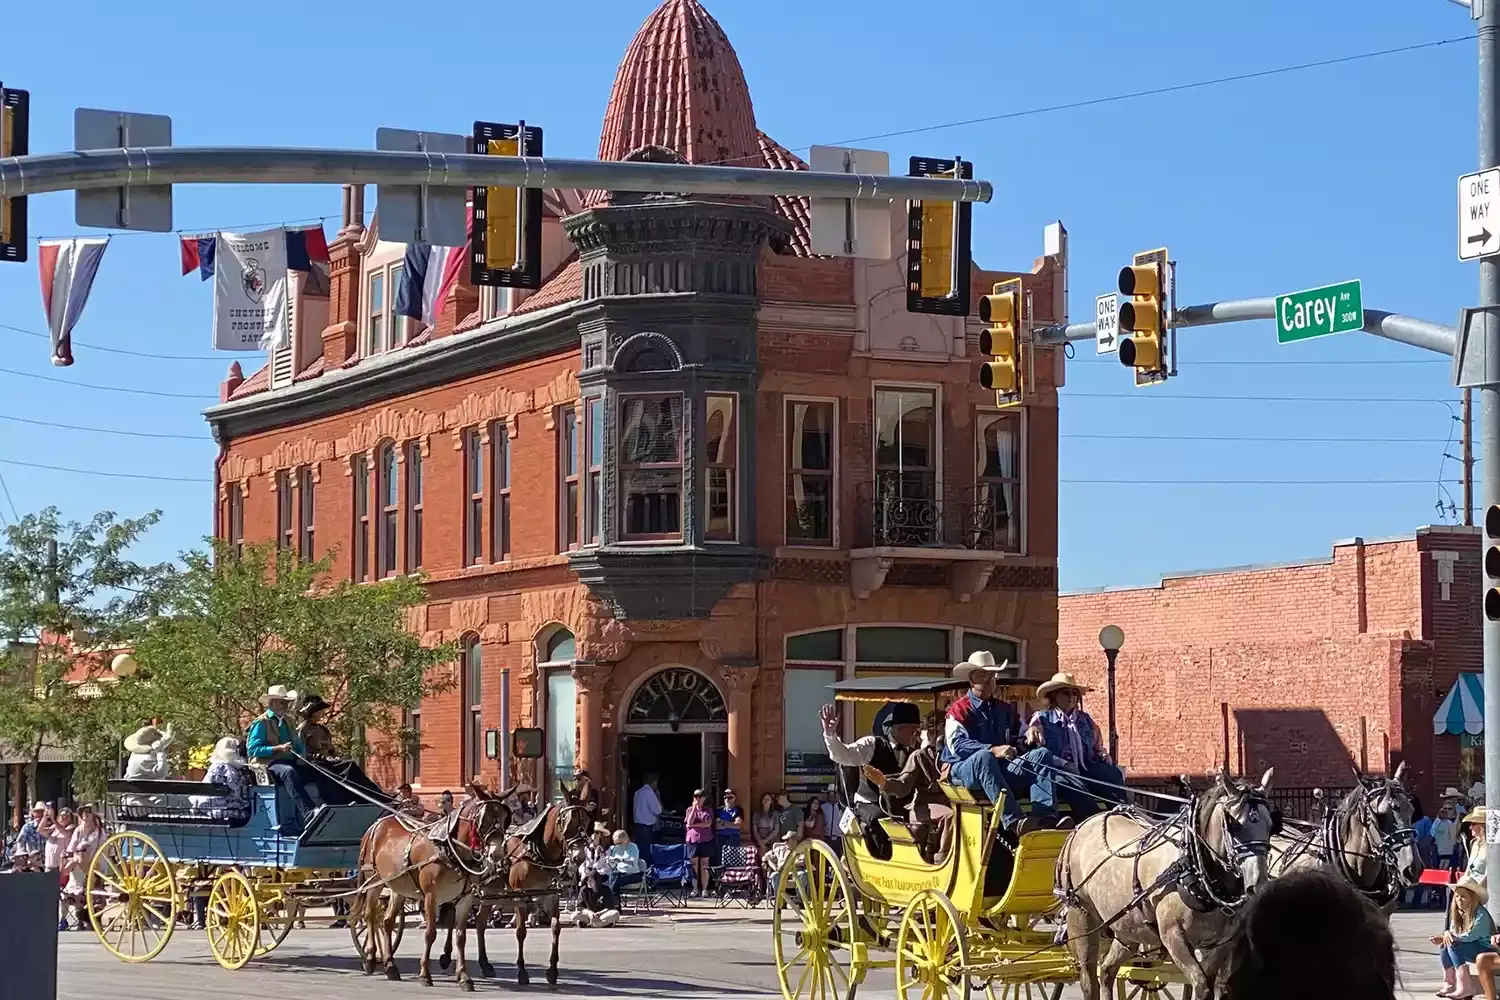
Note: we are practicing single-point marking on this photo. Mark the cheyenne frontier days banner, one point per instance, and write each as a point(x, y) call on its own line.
point(250, 291)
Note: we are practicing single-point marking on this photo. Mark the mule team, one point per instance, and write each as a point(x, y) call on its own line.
point(1133, 882)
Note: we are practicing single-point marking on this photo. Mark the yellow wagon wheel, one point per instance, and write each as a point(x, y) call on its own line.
point(133, 898)
point(817, 954)
point(932, 950)
point(278, 913)
point(233, 921)
point(360, 934)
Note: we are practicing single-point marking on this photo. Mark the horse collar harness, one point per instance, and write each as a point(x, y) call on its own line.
point(1332, 843)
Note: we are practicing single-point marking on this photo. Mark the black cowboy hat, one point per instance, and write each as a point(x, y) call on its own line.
point(903, 714)
point(313, 704)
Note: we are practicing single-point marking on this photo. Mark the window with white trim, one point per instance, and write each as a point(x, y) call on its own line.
point(286, 528)
point(388, 489)
point(811, 433)
point(997, 481)
point(307, 507)
point(383, 329)
point(500, 503)
point(234, 517)
point(721, 473)
point(413, 506)
point(473, 695)
point(361, 477)
point(473, 497)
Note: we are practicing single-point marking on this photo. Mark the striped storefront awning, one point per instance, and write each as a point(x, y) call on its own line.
point(1463, 710)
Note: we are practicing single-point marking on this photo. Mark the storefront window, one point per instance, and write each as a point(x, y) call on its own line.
point(562, 726)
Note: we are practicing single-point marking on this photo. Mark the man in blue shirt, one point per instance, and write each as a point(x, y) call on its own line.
point(273, 742)
point(982, 740)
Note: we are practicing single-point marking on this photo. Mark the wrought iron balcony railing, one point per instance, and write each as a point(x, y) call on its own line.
point(980, 518)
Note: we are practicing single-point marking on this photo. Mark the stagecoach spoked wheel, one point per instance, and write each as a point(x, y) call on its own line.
point(813, 927)
point(359, 934)
point(132, 897)
point(233, 921)
point(278, 913)
point(932, 950)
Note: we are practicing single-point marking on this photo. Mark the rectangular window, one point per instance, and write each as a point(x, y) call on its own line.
point(722, 471)
point(650, 460)
point(361, 518)
point(473, 498)
point(811, 442)
point(388, 488)
point(413, 506)
point(375, 325)
point(996, 520)
point(411, 771)
point(395, 325)
point(562, 725)
point(906, 508)
point(235, 528)
point(286, 528)
point(567, 487)
point(593, 428)
point(500, 504)
point(473, 738)
point(307, 502)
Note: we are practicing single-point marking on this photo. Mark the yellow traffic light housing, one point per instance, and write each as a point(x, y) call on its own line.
point(938, 249)
point(505, 242)
point(1143, 317)
point(1001, 342)
point(15, 131)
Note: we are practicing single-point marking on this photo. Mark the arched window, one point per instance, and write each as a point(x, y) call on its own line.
point(555, 651)
point(473, 701)
point(387, 489)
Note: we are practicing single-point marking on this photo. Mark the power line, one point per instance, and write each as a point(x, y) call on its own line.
point(207, 230)
point(101, 430)
point(1265, 438)
point(99, 472)
point(1070, 394)
point(115, 350)
point(107, 388)
point(1193, 362)
point(1247, 482)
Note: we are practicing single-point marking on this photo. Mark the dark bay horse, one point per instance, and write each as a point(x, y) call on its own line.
point(538, 857)
point(438, 864)
point(1366, 839)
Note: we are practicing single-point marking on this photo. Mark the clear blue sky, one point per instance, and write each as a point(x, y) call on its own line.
point(1258, 187)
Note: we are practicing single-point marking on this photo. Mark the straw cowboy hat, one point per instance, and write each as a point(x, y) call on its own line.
point(1476, 888)
point(143, 740)
point(1476, 815)
point(1452, 793)
point(981, 660)
point(1060, 682)
point(279, 692)
point(227, 751)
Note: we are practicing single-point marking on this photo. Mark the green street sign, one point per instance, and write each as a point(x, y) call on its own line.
point(1319, 312)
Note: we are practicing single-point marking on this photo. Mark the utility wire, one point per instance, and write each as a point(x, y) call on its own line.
point(99, 472)
point(102, 430)
point(1247, 482)
point(116, 350)
point(1266, 361)
point(108, 388)
point(1070, 394)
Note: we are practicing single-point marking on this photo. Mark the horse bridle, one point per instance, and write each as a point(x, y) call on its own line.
point(1235, 796)
point(1386, 843)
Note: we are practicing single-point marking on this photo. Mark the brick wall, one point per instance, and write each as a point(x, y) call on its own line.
point(1307, 667)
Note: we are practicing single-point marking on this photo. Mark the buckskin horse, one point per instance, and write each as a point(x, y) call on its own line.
point(437, 864)
point(1143, 885)
point(537, 856)
point(1366, 839)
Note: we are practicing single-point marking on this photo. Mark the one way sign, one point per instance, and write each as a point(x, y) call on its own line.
point(1479, 214)
point(1106, 325)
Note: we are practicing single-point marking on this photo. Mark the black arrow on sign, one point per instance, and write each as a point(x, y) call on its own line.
point(1109, 342)
point(1483, 236)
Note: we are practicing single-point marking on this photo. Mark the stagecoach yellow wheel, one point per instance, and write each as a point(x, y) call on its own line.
point(818, 956)
point(132, 897)
point(278, 913)
point(932, 950)
point(360, 935)
point(233, 921)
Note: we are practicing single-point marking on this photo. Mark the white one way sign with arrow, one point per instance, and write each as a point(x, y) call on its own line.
point(1479, 214)
point(1106, 325)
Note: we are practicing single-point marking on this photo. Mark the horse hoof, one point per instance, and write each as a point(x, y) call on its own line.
point(522, 979)
point(393, 974)
point(551, 977)
point(444, 961)
point(486, 970)
point(467, 985)
point(426, 980)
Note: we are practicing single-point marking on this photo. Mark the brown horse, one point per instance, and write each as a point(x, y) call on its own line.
point(438, 864)
point(536, 857)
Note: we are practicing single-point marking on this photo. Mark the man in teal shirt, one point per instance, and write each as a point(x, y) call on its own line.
point(273, 742)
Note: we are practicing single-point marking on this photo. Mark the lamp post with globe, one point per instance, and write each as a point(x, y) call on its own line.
point(1112, 640)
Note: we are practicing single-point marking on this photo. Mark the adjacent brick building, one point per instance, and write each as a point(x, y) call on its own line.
point(1308, 666)
point(665, 500)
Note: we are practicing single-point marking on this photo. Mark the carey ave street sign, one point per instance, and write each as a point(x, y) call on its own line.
point(1479, 214)
point(1319, 312)
point(1106, 325)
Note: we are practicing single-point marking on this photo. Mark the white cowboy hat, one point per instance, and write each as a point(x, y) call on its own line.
point(980, 660)
point(279, 692)
point(1060, 682)
point(227, 751)
point(143, 739)
point(1452, 793)
point(1476, 888)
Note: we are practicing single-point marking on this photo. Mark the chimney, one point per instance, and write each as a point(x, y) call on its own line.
point(340, 341)
point(232, 381)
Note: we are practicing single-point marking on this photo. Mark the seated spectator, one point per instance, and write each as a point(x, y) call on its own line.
point(774, 859)
point(30, 844)
point(1468, 936)
point(88, 834)
point(227, 766)
point(623, 865)
point(1310, 936)
point(815, 821)
point(765, 825)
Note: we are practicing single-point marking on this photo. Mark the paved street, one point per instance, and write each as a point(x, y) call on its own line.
point(697, 953)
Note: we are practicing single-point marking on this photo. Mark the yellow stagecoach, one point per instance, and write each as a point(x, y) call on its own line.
point(983, 917)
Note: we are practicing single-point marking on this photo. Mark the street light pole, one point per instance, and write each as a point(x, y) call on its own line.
point(1489, 393)
point(1112, 640)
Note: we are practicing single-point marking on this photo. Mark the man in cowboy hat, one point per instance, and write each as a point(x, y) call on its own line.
point(982, 746)
point(273, 742)
point(1068, 732)
point(885, 754)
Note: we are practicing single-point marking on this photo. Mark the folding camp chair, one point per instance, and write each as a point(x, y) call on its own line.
point(669, 876)
point(738, 876)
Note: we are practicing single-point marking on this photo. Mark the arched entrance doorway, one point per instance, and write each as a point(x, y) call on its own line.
point(675, 726)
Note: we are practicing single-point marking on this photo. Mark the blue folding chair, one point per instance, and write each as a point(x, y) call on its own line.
point(669, 876)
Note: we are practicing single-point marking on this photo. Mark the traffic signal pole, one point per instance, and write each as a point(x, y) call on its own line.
point(1489, 409)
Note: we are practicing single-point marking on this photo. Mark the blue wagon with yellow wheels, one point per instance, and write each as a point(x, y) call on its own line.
point(981, 916)
point(169, 849)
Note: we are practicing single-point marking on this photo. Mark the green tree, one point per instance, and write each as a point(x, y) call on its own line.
point(235, 625)
point(69, 597)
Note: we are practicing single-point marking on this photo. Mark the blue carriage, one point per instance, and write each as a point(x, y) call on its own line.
point(177, 854)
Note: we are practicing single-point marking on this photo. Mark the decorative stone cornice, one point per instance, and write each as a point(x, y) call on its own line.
point(393, 425)
point(294, 454)
point(483, 409)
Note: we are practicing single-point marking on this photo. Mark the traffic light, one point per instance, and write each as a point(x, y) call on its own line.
point(1004, 372)
point(938, 251)
point(1143, 317)
point(15, 132)
point(505, 245)
point(1492, 563)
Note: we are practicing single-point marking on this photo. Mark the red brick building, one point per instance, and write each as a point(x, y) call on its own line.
point(1305, 666)
point(665, 500)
